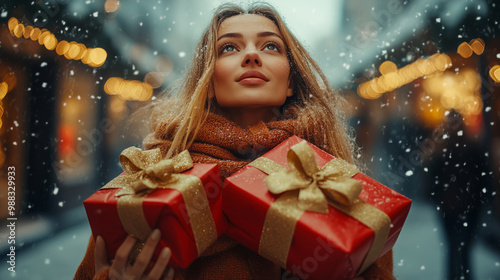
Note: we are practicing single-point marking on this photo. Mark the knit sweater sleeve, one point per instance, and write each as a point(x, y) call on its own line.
point(381, 269)
point(86, 270)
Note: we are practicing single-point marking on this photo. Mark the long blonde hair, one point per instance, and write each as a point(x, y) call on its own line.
point(314, 104)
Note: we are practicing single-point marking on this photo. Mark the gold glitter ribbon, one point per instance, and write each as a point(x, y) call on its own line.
point(145, 171)
point(306, 187)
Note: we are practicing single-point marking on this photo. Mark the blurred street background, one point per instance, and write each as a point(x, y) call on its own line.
point(422, 78)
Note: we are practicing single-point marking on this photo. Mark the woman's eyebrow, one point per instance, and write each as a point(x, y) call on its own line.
point(239, 35)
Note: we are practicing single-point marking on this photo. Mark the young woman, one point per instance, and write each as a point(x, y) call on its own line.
point(250, 86)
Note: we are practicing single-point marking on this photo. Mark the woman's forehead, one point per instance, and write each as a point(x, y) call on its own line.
point(247, 23)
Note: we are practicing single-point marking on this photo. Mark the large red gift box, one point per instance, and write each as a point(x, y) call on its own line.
point(162, 208)
point(330, 245)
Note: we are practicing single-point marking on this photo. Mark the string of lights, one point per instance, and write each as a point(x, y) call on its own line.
point(94, 57)
point(393, 78)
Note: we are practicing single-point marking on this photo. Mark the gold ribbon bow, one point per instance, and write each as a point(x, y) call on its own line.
point(146, 171)
point(306, 187)
point(333, 180)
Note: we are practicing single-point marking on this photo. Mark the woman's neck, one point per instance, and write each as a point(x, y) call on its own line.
point(247, 117)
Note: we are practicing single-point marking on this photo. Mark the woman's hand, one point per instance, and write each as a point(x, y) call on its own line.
point(120, 267)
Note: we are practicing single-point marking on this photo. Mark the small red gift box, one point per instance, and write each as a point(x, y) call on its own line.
point(291, 227)
point(183, 202)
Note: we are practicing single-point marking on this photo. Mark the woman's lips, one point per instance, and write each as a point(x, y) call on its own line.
point(251, 81)
point(252, 78)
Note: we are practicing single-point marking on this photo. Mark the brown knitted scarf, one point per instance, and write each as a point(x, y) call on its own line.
point(224, 142)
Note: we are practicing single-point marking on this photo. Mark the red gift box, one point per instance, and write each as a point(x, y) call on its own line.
point(165, 209)
point(330, 245)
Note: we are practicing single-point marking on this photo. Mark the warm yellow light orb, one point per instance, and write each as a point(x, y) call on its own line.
point(97, 57)
point(18, 30)
point(62, 47)
point(477, 46)
point(111, 6)
point(35, 34)
point(464, 50)
point(50, 42)
point(4, 88)
point(495, 74)
point(27, 31)
point(387, 67)
point(12, 23)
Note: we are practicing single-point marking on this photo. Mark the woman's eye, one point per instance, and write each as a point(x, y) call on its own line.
point(228, 48)
point(272, 47)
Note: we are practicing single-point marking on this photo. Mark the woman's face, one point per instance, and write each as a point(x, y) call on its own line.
point(252, 68)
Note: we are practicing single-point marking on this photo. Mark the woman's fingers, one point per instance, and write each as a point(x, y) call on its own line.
point(120, 269)
point(147, 251)
point(160, 265)
point(121, 257)
point(170, 274)
point(100, 254)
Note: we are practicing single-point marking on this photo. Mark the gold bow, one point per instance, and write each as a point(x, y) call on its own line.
point(145, 171)
point(314, 184)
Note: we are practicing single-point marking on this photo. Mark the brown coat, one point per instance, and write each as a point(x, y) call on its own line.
point(222, 141)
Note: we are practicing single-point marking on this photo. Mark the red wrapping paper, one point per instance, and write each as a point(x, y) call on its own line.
point(164, 209)
point(324, 246)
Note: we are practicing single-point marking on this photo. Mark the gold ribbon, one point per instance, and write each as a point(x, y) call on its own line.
point(306, 187)
point(145, 171)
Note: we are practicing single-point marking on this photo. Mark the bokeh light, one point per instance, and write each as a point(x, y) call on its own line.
point(128, 90)
point(387, 67)
point(393, 78)
point(495, 73)
point(458, 91)
point(111, 6)
point(155, 79)
point(477, 46)
point(94, 57)
point(4, 88)
point(464, 50)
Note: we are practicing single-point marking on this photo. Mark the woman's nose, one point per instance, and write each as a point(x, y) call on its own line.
point(251, 58)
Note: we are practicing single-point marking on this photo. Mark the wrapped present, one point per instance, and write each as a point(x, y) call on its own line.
point(178, 197)
point(313, 214)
